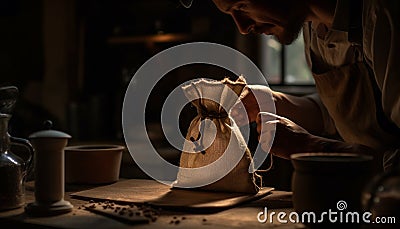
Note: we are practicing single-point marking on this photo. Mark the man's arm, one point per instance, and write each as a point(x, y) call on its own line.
point(291, 138)
point(307, 111)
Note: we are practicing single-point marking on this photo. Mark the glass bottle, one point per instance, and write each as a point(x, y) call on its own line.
point(382, 199)
point(13, 169)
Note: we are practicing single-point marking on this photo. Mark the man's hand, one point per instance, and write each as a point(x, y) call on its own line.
point(253, 99)
point(291, 138)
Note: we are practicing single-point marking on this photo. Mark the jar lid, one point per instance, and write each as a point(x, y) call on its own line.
point(48, 132)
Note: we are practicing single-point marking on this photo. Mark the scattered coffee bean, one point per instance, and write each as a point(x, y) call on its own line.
point(125, 211)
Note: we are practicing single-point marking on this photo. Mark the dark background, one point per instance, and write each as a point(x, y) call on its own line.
point(73, 59)
point(61, 56)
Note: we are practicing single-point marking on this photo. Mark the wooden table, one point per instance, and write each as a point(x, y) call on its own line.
point(242, 216)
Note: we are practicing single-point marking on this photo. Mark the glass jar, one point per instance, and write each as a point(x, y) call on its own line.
point(13, 169)
point(382, 198)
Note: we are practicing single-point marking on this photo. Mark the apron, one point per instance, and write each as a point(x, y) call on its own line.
point(350, 96)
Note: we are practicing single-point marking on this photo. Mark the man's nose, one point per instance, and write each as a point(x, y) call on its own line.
point(243, 23)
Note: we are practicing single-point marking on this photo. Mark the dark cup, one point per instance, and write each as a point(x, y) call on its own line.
point(329, 182)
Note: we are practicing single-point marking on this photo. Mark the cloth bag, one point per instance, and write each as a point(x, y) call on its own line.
point(211, 133)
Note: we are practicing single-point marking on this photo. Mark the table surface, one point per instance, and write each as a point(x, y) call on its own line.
point(238, 217)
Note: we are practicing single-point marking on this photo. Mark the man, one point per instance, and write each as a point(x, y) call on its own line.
point(353, 51)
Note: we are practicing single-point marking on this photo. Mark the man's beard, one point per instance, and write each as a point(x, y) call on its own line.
point(291, 32)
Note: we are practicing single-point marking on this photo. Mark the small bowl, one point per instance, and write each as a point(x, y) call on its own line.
point(92, 164)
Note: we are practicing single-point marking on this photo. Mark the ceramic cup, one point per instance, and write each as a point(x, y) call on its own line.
point(329, 181)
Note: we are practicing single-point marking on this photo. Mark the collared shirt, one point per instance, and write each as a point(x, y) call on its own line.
point(369, 34)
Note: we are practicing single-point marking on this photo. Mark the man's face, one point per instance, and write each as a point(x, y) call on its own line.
point(281, 18)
